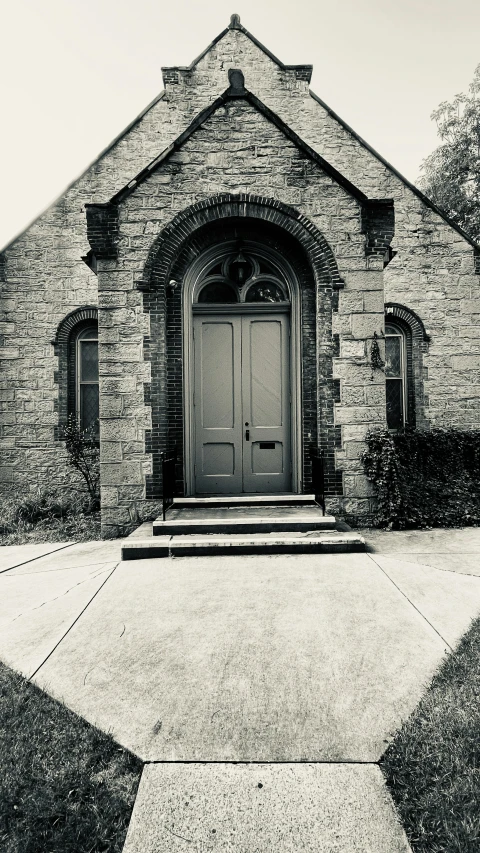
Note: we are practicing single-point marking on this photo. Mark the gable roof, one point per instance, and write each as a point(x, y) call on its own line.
point(237, 91)
point(426, 200)
point(236, 25)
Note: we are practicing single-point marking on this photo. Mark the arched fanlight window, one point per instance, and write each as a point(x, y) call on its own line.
point(86, 373)
point(217, 291)
point(395, 375)
point(241, 276)
point(265, 291)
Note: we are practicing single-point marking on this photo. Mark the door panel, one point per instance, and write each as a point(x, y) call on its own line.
point(242, 373)
point(217, 401)
point(266, 403)
point(217, 375)
point(264, 342)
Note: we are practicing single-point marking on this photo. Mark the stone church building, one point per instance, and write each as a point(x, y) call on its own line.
point(242, 277)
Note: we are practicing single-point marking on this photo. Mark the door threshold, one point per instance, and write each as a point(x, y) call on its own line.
point(278, 499)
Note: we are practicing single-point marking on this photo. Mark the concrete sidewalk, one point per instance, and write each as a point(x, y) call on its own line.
point(285, 659)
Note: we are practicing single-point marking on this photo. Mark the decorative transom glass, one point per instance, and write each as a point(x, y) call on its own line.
point(242, 276)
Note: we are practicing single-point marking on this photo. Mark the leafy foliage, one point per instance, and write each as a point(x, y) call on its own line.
point(376, 360)
point(432, 764)
point(451, 174)
point(425, 479)
point(84, 455)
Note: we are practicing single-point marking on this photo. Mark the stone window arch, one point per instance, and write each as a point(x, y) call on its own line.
point(76, 346)
point(406, 340)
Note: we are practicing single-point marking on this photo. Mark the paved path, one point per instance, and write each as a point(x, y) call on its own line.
point(282, 659)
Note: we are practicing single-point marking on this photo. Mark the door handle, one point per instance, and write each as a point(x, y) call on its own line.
point(247, 432)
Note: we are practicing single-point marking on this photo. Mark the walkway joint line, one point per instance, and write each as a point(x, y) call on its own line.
point(297, 763)
point(74, 622)
point(40, 556)
point(411, 602)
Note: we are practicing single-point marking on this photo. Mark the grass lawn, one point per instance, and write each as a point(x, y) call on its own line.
point(65, 787)
point(47, 515)
point(79, 528)
point(433, 764)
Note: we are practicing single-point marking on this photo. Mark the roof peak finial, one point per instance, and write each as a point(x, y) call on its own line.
point(234, 22)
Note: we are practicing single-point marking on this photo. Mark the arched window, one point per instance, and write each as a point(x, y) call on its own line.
point(76, 345)
point(406, 341)
point(86, 379)
point(396, 376)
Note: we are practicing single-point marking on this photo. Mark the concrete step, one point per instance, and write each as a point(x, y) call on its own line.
point(241, 518)
point(284, 542)
point(245, 525)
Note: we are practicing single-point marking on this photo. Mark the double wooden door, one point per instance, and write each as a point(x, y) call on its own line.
point(242, 441)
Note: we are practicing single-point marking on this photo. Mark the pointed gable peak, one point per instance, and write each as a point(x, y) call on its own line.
point(173, 74)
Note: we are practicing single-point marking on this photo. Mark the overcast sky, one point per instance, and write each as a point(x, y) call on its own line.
point(74, 73)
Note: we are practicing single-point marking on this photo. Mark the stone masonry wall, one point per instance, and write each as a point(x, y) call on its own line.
point(237, 150)
point(433, 271)
point(45, 277)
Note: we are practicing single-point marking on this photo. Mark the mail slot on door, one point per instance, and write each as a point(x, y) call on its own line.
point(267, 445)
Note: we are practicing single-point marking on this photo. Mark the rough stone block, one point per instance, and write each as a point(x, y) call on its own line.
point(364, 280)
point(350, 372)
point(352, 349)
point(120, 353)
point(117, 385)
point(466, 362)
point(353, 394)
point(111, 406)
point(121, 473)
point(357, 485)
point(108, 496)
point(358, 508)
point(364, 325)
point(350, 301)
point(375, 395)
point(118, 429)
point(354, 414)
point(356, 433)
point(373, 302)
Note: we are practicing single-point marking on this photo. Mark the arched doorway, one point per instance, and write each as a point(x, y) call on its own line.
point(242, 377)
point(175, 262)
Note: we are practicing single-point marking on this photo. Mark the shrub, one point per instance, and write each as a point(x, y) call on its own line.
point(84, 455)
point(425, 478)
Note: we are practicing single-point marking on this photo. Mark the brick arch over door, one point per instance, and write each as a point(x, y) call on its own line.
point(278, 227)
point(168, 245)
